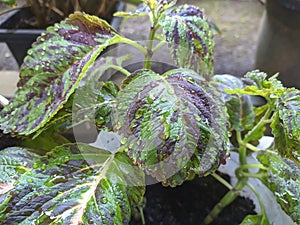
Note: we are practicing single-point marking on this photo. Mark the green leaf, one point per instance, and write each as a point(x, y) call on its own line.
point(239, 106)
point(172, 125)
point(286, 124)
point(72, 185)
point(159, 5)
point(53, 69)
point(93, 102)
point(283, 180)
point(289, 112)
point(255, 220)
point(187, 30)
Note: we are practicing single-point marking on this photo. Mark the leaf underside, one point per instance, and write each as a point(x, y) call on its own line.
point(284, 181)
point(172, 125)
point(239, 107)
point(187, 30)
point(55, 64)
point(70, 185)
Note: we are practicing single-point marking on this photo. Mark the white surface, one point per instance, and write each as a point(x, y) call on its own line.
point(109, 141)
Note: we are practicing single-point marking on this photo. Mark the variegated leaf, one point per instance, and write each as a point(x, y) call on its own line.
point(52, 70)
point(173, 125)
point(159, 5)
point(239, 107)
point(283, 179)
point(72, 185)
point(286, 124)
point(187, 30)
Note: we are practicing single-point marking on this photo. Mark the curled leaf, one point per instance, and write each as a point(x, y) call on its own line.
point(239, 106)
point(172, 125)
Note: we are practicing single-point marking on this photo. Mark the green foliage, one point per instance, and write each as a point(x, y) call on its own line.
point(53, 69)
point(239, 106)
point(70, 184)
point(255, 220)
point(187, 30)
point(286, 124)
point(284, 181)
point(172, 126)
point(172, 119)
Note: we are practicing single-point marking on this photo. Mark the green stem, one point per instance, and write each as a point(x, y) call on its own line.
point(260, 201)
point(225, 201)
point(121, 69)
point(252, 148)
point(258, 126)
point(242, 171)
point(134, 44)
point(158, 46)
point(149, 54)
point(222, 181)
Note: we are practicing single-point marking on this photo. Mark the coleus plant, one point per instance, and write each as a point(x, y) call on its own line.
point(171, 126)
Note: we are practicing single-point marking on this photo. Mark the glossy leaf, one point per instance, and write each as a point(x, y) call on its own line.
point(53, 69)
point(173, 125)
point(283, 180)
point(73, 185)
point(93, 102)
point(239, 107)
point(187, 30)
point(286, 125)
point(255, 220)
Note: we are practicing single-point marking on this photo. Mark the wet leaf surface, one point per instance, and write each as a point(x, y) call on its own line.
point(283, 180)
point(173, 125)
point(69, 185)
point(190, 37)
point(55, 64)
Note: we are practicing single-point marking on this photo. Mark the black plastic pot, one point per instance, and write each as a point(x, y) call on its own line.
point(278, 48)
point(19, 39)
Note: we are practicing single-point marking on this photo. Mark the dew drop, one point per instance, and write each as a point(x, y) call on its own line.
point(35, 165)
point(123, 140)
point(103, 200)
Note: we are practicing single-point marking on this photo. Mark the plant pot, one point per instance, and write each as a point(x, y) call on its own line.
point(19, 39)
point(278, 42)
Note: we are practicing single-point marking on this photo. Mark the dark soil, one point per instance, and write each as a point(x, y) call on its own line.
point(189, 203)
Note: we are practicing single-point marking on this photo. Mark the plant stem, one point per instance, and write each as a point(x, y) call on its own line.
point(134, 44)
point(261, 204)
point(258, 126)
point(225, 201)
point(158, 46)
point(120, 69)
point(149, 54)
point(222, 181)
